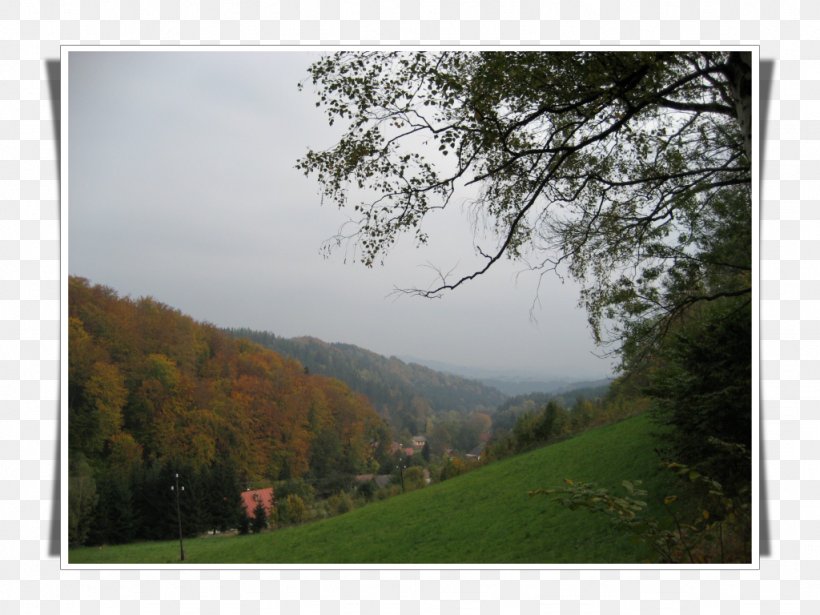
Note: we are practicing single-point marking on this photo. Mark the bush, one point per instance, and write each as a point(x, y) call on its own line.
point(413, 478)
point(340, 503)
point(367, 490)
point(705, 525)
point(292, 510)
point(452, 468)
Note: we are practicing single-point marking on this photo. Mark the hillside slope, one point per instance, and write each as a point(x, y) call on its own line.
point(485, 516)
point(406, 394)
point(152, 393)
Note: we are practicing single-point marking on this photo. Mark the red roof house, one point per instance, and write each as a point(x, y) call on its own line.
point(251, 497)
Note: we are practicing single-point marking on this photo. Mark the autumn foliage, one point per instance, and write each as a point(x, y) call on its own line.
point(152, 390)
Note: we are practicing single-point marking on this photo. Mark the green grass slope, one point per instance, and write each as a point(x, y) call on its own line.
point(485, 516)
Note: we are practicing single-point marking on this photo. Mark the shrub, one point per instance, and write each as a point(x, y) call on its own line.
point(706, 526)
point(292, 510)
point(340, 503)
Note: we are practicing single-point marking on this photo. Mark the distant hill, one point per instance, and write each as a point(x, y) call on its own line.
point(511, 382)
point(406, 394)
point(550, 387)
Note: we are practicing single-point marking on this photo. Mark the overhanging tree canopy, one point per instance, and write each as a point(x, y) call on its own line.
point(617, 167)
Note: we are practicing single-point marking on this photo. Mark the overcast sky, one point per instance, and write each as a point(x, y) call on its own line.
point(182, 187)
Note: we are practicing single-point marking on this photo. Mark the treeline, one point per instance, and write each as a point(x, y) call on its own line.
point(508, 413)
point(119, 500)
point(152, 393)
point(529, 421)
point(408, 395)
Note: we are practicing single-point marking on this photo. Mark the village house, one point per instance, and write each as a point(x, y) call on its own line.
point(419, 441)
point(252, 497)
point(475, 454)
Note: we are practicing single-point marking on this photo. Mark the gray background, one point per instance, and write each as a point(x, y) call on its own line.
point(30, 577)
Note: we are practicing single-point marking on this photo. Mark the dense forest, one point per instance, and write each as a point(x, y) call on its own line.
point(410, 396)
point(153, 393)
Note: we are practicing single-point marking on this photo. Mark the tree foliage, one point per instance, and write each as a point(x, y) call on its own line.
point(292, 510)
point(82, 500)
point(603, 165)
point(153, 393)
point(414, 478)
point(702, 385)
point(408, 395)
point(698, 373)
point(260, 517)
point(630, 172)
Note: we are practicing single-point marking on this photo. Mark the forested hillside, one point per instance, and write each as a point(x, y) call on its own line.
point(152, 393)
point(408, 395)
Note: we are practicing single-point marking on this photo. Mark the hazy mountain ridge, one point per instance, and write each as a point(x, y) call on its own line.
point(512, 382)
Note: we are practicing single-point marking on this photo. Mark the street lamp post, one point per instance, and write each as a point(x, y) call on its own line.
point(176, 488)
point(401, 469)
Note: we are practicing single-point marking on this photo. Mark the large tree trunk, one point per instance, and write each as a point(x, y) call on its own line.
point(739, 75)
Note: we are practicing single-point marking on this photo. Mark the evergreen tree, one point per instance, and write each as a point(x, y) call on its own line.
point(82, 500)
point(260, 517)
point(224, 502)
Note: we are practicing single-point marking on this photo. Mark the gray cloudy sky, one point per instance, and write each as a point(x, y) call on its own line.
point(182, 187)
